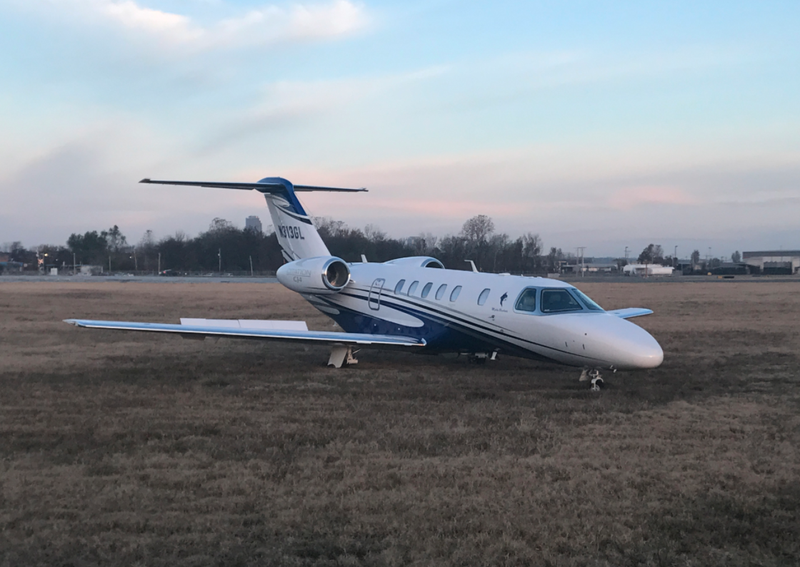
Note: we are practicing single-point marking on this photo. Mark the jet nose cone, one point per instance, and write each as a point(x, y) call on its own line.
point(648, 353)
point(630, 347)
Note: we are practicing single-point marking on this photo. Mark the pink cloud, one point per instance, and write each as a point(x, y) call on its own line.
point(631, 197)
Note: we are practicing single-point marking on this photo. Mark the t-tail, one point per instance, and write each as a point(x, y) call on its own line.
point(294, 228)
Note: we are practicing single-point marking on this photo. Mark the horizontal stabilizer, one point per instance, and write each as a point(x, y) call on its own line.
point(212, 330)
point(630, 312)
point(262, 187)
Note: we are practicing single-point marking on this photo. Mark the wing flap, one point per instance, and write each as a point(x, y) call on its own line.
point(319, 337)
point(271, 324)
point(630, 312)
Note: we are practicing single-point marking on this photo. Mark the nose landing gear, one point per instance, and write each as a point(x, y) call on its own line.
point(596, 378)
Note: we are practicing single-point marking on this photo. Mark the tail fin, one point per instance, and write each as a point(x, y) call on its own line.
point(296, 233)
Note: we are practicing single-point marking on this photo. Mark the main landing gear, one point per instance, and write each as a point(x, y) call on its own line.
point(482, 357)
point(342, 355)
point(596, 378)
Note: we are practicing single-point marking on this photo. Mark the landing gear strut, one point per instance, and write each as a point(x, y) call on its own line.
point(594, 375)
point(482, 357)
point(342, 355)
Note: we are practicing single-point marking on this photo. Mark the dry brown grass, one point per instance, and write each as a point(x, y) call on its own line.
point(124, 448)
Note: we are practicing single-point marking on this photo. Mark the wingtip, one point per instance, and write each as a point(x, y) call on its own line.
point(145, 180)
point(71, 322)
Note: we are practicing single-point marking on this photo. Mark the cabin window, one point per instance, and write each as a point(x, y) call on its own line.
point(527, 300)
point(557, 300)
point(399, 287)
point(483, 296)
point(590, 305)
point(441, 290)
point(455, 292)
point(427, 289)
point(412, 288)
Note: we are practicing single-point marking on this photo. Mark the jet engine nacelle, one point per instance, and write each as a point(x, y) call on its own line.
point(417, 262)
point(320, 275)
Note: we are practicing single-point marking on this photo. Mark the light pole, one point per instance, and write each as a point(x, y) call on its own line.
point(580, 250)
point(159, 263)
point(675, 256)
point(219, 255)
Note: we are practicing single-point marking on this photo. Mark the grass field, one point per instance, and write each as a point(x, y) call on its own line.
point(135, 449)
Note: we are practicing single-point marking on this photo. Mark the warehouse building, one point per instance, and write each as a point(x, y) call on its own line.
point(773, 261)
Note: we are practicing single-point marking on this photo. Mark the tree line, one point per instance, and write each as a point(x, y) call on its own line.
point(226, 248)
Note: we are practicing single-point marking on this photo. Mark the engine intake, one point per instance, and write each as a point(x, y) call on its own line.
point(320, 275)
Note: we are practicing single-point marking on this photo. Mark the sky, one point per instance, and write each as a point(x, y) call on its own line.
point(602, 124)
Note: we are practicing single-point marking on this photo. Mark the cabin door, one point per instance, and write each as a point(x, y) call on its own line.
point(375, 294)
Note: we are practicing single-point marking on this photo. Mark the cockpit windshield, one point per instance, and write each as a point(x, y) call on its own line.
point(558, 300)
point(591, 305)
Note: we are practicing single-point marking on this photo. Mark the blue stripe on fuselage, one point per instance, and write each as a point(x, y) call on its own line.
point(442, 332)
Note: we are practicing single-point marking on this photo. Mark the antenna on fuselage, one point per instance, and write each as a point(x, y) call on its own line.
point(471, 263)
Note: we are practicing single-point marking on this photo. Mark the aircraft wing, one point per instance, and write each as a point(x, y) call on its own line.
point(212, 330)
point(630, 312)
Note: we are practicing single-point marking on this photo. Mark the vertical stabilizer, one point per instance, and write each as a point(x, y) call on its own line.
point(297, 235)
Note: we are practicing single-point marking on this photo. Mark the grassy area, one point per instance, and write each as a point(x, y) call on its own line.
point(123, 448)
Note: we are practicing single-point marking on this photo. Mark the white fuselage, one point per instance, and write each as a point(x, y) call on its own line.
point(474, 320)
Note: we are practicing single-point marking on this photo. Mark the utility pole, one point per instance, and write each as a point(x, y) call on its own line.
point(580, 250)
point(109, 264)
point(74, 265)
point(159, 263)
point(675, 256)
point(135, 263)
point(626, 254)
point(251, 266)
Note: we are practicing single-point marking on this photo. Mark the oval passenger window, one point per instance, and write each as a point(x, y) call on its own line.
point(427, 289)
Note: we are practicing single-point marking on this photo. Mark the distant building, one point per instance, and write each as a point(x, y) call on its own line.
point(647, 270)
point(589, 265)
point(773, 261)
point(253, 223)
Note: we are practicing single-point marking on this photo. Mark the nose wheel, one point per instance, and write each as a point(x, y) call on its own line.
point(593, 375)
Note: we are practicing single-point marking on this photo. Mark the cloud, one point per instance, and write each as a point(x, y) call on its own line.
point(270, 24)
point(629, 198)
point(289, 102)
point(310, 22)
point(129, 14)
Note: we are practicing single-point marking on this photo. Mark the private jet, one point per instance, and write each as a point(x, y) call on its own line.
point(418, 305)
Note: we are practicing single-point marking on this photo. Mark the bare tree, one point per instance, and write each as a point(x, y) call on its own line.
point(531, 252)
point(374, 234)
point(478, 229)
point(652, 254)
